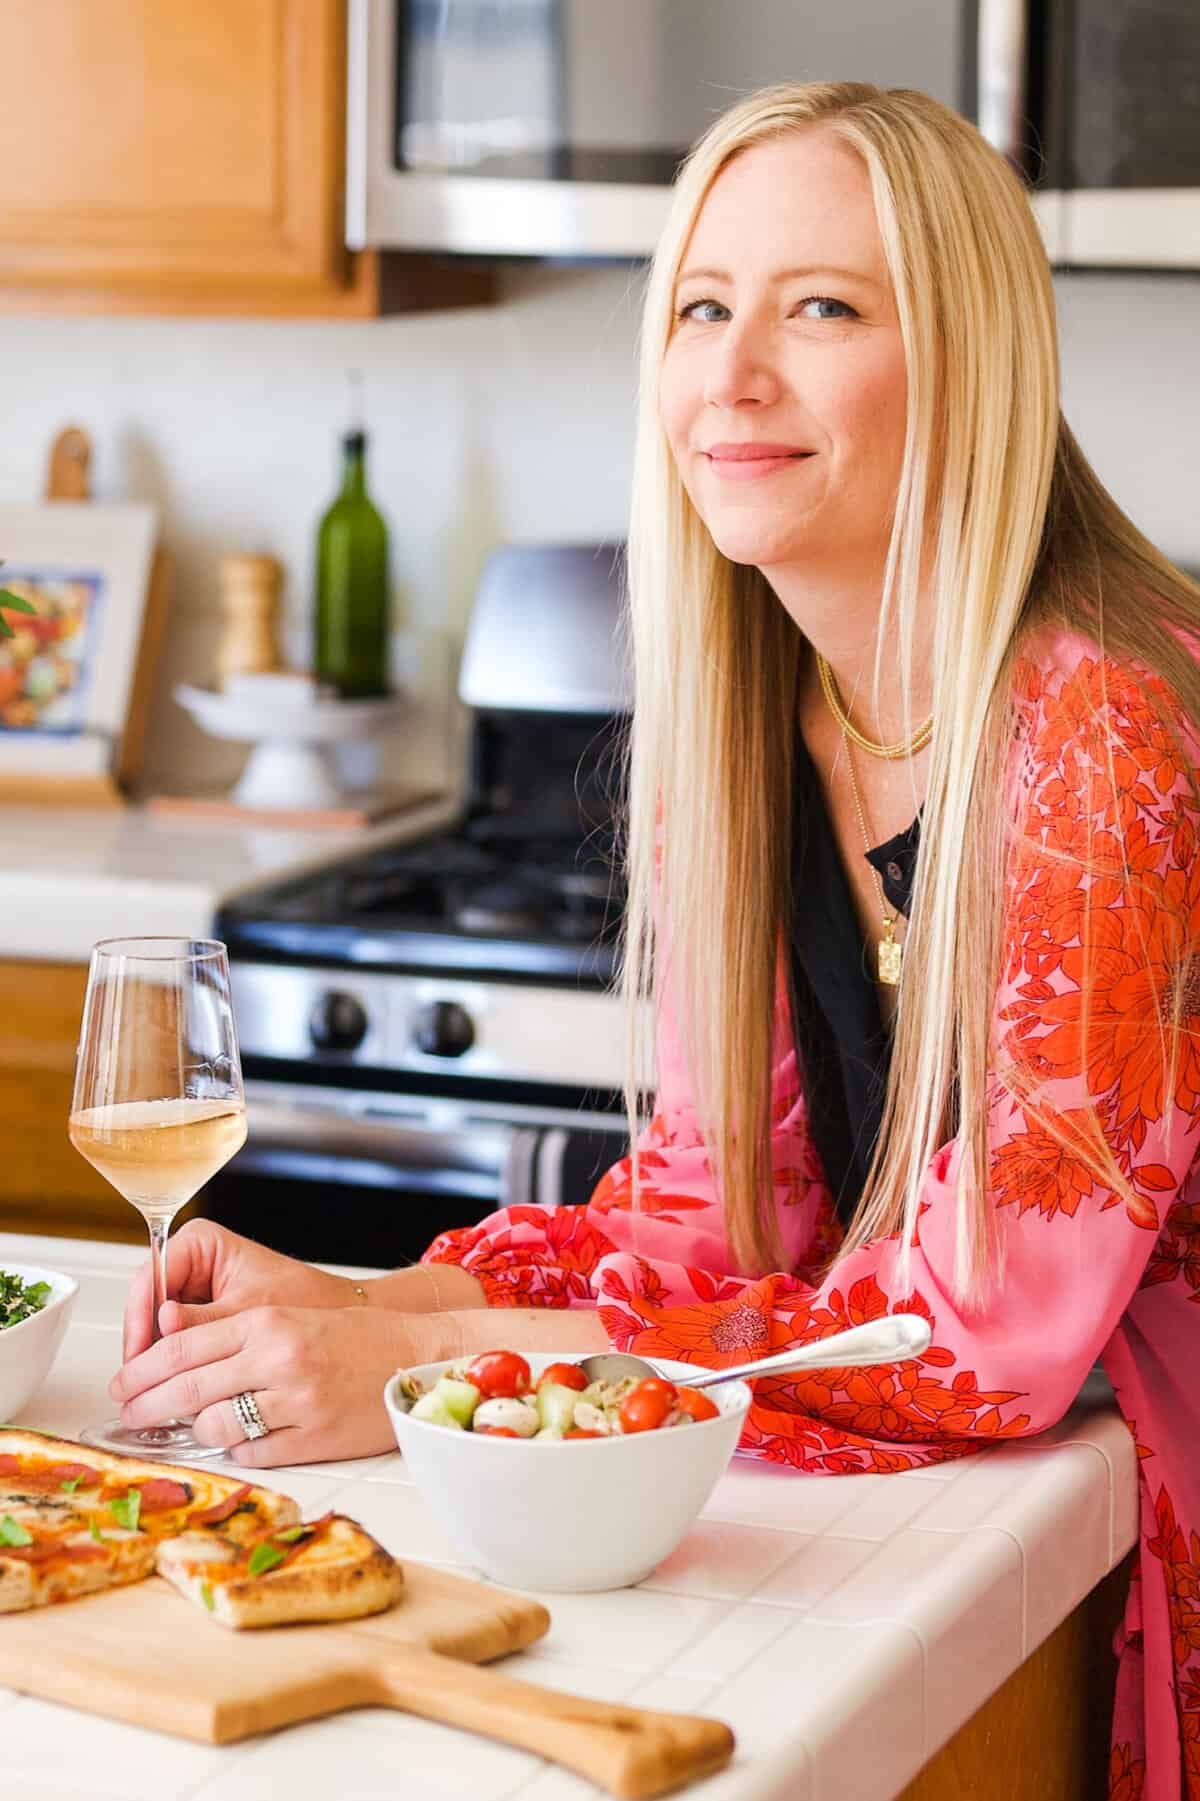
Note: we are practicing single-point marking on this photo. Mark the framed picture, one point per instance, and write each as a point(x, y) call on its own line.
point(69, 671)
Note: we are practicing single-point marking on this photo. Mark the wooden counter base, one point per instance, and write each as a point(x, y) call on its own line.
point(1044, 1736)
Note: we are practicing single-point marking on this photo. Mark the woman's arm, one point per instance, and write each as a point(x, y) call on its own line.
point(1074, 1249)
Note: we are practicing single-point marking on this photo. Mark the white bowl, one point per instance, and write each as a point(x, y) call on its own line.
point(568, 1516)
point(27, 1350)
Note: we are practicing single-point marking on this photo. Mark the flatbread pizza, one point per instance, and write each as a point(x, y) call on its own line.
point(326, 1569)
point(74, 1520)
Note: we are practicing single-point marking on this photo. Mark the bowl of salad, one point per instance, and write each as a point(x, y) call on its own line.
point(35, 1305)
point(545, 1483)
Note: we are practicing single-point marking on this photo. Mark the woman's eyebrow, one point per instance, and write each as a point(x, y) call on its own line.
point(802, 272)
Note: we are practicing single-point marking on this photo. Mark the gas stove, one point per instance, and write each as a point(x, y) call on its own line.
point(515, 905)
point(429, 1030)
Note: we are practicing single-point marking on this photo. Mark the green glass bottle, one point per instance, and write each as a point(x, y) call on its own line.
point(353, 599)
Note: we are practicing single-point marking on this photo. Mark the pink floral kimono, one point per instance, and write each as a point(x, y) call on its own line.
point(1122, 1282)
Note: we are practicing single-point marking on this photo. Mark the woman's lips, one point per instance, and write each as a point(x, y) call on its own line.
point(744, 467)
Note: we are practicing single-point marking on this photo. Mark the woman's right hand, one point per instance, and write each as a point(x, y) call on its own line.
point(212, 1273)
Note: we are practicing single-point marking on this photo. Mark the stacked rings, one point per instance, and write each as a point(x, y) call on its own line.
point(248, 1417)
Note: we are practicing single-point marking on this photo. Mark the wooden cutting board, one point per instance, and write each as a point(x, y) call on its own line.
point(146, 1655)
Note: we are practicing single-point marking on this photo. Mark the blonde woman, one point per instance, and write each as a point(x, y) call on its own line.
point(913, 842)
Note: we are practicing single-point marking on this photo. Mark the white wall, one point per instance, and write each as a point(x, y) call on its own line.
point(512, 422)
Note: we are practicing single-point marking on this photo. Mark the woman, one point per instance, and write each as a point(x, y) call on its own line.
point(879, 601)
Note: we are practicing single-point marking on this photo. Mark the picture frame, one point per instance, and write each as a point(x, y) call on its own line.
point(73, 674)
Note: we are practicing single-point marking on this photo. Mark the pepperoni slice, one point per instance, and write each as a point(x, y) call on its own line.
point(81, 1473)
point(220, 1510)
point(9, 1465)
point(160, 1494)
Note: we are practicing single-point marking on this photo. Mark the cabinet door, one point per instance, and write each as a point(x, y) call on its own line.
point(45, 1185)
point(186, 154)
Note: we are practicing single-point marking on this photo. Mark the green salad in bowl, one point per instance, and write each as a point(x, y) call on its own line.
point(35, 1305)
point(20, 1299)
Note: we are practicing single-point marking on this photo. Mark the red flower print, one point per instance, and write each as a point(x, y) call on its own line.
point(1126, 1775)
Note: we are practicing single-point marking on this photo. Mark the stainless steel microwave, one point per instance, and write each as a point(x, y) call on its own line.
point(553, 128)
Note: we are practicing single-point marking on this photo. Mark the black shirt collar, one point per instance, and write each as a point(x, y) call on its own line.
point(842, 1044)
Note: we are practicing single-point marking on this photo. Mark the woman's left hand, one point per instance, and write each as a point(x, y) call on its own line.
point(317, 1375)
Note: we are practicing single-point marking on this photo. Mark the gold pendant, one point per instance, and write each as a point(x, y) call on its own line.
point(889, 958)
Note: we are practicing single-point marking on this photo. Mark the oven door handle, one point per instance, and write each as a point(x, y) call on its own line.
point(330, 1132)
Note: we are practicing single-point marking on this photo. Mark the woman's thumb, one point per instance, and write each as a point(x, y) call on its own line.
point(175, 1316)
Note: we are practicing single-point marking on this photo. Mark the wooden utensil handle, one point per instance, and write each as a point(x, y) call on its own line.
point(630, 1751)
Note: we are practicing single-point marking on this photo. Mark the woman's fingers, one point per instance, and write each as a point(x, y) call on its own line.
point(194, 1257)
point(177, 1355)
point(219, 1424)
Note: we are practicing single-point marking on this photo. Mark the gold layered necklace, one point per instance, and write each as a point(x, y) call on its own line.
point(890, 951)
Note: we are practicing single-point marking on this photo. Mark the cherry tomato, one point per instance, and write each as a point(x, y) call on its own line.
point(496, 1432)
point(657, 1385)
point(578, 1432)
point(646, 1406)
point(567, 1375)
point(695, 1402)
point(501, 1373)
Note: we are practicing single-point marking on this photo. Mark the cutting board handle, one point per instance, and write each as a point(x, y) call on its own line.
point(630, 1751)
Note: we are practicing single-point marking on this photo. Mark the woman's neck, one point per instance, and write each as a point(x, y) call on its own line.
point(840, 623)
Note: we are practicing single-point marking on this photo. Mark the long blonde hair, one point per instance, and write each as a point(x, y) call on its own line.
point(1022, 535)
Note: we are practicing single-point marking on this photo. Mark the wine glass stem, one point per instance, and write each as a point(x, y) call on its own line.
point(159, 1229)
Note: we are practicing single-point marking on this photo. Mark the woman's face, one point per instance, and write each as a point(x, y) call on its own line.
point(786, 338)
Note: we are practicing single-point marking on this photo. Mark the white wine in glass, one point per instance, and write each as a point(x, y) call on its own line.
point(158, 1107)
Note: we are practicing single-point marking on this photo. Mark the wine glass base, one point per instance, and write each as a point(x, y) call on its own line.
point(172, 1442)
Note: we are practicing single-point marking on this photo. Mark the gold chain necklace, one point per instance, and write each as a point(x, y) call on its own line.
point(890, 950)
point(918, 741)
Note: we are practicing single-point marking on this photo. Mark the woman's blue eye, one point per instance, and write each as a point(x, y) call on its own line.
point(821, 300)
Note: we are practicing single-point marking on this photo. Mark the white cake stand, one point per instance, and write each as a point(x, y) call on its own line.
point(292, 765)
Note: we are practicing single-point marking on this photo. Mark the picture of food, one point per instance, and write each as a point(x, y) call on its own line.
point(45, 667)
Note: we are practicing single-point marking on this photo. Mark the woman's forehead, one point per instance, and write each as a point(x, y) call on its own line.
point(795, 204)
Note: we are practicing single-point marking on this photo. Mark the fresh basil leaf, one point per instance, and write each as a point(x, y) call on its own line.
point(292, 1533)
point(13, 1533)
point(126, 1509)
point(206, 1595)
point(71, 1484)
point(265, 1557)
point(95, 1531)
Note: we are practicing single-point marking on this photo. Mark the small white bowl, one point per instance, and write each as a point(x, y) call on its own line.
point(28, 1349)
point(568, 1517)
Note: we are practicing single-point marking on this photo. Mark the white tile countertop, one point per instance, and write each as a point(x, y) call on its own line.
point(71, 876)
point(844, 1626)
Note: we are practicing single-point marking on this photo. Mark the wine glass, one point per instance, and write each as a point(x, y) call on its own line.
point(158, 1107)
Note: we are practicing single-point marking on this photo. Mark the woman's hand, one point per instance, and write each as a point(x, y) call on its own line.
point(212, 1273)
point(316, 1373)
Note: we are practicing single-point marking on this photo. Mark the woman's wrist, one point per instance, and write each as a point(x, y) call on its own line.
point(420, 1288)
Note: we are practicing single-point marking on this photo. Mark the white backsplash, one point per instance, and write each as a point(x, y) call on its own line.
point(487, 425)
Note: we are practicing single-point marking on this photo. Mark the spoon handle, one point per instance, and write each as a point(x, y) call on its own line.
point(888, 1340)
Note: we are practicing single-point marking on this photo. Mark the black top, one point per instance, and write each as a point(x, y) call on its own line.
point(842, 1043)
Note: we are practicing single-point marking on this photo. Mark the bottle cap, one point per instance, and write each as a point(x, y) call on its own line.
point(354, 442)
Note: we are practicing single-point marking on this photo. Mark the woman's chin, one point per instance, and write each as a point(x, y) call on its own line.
point(759, 549)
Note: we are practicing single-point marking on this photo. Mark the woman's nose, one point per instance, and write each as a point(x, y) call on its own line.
point(740, 366)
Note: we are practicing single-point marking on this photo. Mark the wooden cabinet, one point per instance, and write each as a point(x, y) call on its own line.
point(187, 156)
point(45, 1185)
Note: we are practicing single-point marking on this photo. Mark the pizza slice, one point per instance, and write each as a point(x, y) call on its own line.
point(74, 1520)
point(327, 1569)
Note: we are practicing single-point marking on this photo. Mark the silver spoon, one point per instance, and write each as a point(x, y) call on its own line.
point(890, 1340)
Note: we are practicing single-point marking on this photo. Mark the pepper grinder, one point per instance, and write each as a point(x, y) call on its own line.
point(251, 585)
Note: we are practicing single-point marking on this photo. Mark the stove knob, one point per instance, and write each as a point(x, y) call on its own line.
point(443, 1029)
point(338, 1022)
